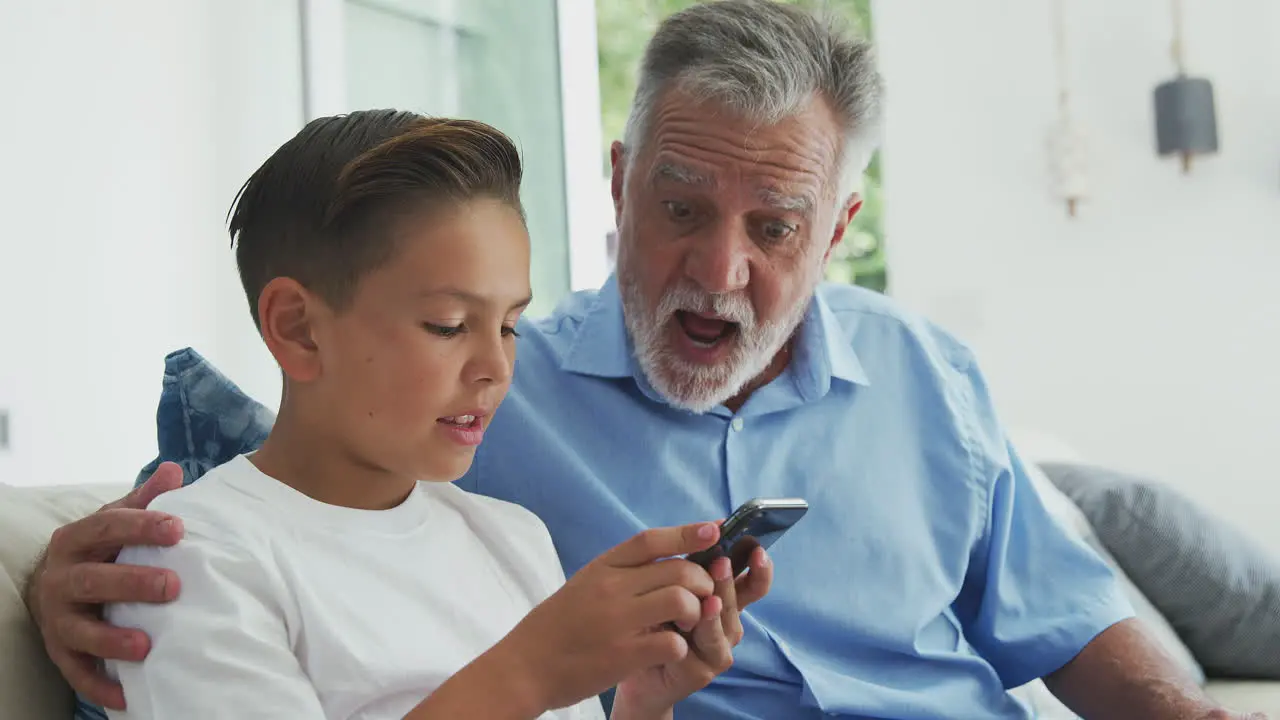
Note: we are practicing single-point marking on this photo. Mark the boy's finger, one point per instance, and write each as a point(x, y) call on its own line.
point(756, 582)
point(672, 606)
point(670, 573)
point(659, 543)
point(726, 591)
point(708, 640)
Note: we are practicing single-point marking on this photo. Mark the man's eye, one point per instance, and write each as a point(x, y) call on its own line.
point(678, 210)
point(776, 231)
point(445, 331)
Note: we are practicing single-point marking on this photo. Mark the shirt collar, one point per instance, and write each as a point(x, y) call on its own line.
point(603, 348)
point(823, 352)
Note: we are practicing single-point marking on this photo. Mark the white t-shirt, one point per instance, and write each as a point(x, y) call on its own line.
point(291, 608)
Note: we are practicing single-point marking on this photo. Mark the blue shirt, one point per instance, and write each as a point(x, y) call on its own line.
point(926, 578)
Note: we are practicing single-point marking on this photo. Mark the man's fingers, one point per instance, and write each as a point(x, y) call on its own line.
point(102, 534)
point(166, 477)
point(759, 578)
point(86, 677)
point(659, 543)
point(84, 633)
point(97, 583)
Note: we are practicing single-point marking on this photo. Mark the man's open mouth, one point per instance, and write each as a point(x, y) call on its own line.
point(705, 330)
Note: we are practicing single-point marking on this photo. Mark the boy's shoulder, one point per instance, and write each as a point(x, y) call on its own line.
point(219, 505)
point(516, 518)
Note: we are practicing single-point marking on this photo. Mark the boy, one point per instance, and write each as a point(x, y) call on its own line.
point(336, 572)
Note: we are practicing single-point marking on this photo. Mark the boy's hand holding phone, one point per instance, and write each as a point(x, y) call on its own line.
point(613, 619)
point(658, 627)
point(742, 574)
point(650, 694)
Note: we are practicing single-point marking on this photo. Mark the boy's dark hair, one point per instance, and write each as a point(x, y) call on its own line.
point(319, 209)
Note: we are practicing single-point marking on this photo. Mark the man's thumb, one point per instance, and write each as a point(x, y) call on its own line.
point(166, 477)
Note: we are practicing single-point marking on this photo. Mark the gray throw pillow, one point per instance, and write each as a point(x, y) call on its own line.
point(1217, 588)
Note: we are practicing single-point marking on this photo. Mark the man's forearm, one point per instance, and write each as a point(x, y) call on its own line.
point(1124, 674)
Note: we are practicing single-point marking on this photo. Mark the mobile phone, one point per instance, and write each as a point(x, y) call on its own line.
point(757, 523)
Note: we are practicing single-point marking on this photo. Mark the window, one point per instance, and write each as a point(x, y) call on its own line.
point(624, 26)
point(489, 60)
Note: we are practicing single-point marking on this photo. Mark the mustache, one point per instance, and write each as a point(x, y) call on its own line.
point(735, 307)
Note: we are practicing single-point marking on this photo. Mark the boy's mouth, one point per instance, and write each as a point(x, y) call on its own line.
point(471, 422)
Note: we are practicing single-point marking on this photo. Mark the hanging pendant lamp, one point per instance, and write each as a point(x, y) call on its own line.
point(1186, 120)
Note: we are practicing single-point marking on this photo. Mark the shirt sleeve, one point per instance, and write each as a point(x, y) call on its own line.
point(1035, 594)
point(222, 649)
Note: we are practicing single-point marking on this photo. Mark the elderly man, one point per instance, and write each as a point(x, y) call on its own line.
point(927, 578)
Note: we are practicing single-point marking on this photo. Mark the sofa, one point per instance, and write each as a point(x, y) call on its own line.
point(32, 689)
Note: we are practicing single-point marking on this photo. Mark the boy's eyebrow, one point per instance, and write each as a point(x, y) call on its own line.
point(473, 298)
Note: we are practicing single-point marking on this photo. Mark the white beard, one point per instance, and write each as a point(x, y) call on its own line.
point(697, 387)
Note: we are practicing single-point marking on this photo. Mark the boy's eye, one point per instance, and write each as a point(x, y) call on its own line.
point(446, 331)
point(509, 331)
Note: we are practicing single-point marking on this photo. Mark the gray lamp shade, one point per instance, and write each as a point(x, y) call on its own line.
point(1186, 123)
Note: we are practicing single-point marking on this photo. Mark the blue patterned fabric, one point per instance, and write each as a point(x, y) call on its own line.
point(203, 421)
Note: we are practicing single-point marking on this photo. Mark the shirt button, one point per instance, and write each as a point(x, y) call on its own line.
point(737, 423)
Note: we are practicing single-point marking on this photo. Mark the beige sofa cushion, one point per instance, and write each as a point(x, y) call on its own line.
point(1247, 695)
point(30, 686)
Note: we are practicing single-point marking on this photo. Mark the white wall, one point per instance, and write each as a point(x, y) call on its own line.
point(1146, 332)
point(126, 129)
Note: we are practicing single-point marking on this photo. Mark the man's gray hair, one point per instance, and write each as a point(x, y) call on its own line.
point(764, 61)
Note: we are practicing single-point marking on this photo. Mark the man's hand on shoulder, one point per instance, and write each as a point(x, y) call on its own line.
point(77, 575)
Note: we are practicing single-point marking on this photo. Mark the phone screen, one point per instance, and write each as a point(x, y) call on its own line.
point(757, 525)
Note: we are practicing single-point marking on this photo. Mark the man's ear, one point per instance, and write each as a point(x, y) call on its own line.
point(287, 313)
point(618, 160)
point(844, 216)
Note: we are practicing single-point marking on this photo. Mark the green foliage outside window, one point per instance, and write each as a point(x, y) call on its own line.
point(624, 26)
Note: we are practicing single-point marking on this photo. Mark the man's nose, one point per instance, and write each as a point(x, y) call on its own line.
point(719, 260)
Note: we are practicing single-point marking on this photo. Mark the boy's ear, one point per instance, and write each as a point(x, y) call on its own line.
point(287, 313)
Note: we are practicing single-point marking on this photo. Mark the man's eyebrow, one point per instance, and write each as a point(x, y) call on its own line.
point(801, 204)
point(681, 174)
point(474, 298)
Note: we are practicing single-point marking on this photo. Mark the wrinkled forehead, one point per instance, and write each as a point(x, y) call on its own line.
point(791, 165)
